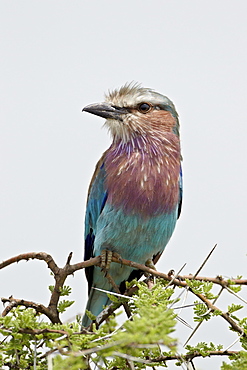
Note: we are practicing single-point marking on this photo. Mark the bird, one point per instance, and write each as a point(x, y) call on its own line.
point(135, 194)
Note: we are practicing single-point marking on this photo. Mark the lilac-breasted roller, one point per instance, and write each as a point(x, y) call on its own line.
point(135, 194)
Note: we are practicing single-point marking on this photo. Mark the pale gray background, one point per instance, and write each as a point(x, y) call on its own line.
point(58, 56)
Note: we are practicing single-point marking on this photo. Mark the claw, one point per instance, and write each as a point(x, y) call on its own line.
point(117, 255)
point(106, 259)
point(103, 259)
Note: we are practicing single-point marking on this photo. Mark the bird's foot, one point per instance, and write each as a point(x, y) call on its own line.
point(106, 259)
point(149, 263)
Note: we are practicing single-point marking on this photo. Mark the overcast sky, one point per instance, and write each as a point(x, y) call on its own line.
point(58, 56)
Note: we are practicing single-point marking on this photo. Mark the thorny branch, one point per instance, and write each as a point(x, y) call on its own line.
point(60, 275)
point(14, 302)
point(190, 356)
point(176, 357)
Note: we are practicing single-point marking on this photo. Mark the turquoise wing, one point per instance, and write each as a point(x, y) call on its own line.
point(97, 196)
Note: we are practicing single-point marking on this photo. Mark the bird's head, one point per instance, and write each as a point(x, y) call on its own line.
point(133, 110)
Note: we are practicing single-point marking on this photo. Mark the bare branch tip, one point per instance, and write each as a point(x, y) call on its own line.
point(69, 258)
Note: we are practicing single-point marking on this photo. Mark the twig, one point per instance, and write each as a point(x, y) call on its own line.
point(15, 302)
point(185, 358)
point(32, 255)
point(195, 354)
point(217, 280)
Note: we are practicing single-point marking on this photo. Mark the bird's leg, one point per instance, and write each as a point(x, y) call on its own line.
point(117, 290)
point(106, 259)
point(149, 263)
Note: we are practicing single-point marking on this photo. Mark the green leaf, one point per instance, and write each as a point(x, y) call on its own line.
point(235, 288)
point(51, 288)
point(65, 290)
point(90, 315)
point(201, 312)
point(234, 307)
point(239, 362)
point(63, 305)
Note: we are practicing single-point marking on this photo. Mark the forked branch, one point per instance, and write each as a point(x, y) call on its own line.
point(60, 275)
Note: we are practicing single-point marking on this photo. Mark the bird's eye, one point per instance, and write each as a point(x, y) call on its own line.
point(144, 107)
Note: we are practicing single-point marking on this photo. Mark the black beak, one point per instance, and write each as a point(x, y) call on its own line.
point(105, 110)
